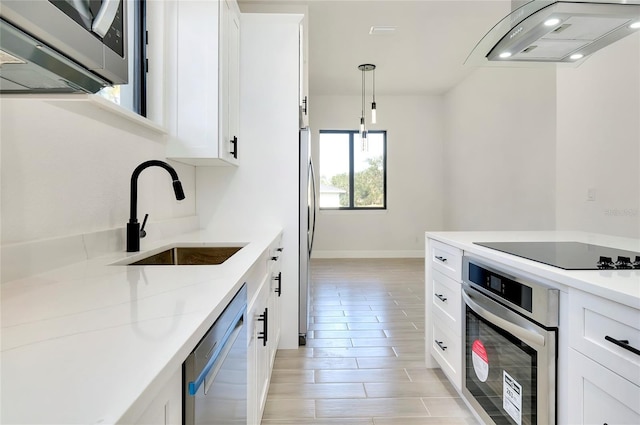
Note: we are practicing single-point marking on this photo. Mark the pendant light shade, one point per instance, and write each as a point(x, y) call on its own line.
point(373, 100)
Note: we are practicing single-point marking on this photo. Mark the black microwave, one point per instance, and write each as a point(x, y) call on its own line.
point(62, 45)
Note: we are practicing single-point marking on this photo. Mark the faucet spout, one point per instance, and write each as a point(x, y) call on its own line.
point(133, 227)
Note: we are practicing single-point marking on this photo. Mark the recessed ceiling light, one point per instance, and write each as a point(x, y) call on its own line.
point(576, 56)
point(382, 30)
point(551, 22)
point(505, 55)
point(635, 25)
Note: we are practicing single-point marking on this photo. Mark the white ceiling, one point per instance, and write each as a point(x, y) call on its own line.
point(425, 56)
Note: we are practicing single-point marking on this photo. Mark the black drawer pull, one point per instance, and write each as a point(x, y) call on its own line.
point(441, 345)
point(441, 297)
point(278, 278)
point(234, 142)
point(264, 318)
point(444, 260)
point(624, 343)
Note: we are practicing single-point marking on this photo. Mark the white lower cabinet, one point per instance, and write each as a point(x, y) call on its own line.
point(258, 353)
point(443, 313)
point(263, 317)
point(166, 406)
point(604, 370)
point(446, 349)
point(599, 396)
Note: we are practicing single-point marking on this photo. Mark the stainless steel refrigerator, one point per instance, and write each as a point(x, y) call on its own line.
point(307, 229)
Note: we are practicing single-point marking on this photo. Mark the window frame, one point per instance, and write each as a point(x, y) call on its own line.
point(351, 206)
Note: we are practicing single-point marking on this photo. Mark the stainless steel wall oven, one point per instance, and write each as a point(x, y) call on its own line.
point(510, 345)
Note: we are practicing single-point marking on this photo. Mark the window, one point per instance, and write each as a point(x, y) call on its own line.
point(133, 96)
point(353, 178)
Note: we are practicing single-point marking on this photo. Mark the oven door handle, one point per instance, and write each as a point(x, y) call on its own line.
point(526, 335)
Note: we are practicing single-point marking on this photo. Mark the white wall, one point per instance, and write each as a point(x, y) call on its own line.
point(598, 143)
point(499, 151)
point(414, 177)
point(263, 191)
point(66, 170)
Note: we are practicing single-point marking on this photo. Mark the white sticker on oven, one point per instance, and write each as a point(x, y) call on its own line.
point(480, 360)
point(512, 397)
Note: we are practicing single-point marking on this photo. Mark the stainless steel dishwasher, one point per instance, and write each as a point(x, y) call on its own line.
point(215, 373)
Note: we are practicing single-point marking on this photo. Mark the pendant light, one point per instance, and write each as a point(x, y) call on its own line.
point(363, 128)
point(373, 102)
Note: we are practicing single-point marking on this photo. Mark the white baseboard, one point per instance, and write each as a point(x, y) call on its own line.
point(368, 254)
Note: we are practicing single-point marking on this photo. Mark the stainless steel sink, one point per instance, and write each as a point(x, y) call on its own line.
point(189, 256)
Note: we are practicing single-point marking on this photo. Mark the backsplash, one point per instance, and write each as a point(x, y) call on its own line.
point(24, 259)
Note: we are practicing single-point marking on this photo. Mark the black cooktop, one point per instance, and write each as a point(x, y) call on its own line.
point(570, 255)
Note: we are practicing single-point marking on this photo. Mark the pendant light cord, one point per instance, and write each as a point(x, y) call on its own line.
point(363, 93)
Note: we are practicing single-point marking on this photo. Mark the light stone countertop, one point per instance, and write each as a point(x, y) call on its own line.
point(622, 286)
point(90, 343)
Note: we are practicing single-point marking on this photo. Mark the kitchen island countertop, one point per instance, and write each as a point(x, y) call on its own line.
point(622, 286)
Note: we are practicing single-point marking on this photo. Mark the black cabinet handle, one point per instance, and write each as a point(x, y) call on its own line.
point(624, 343)
point(444, 260)
point(304, 105)
point(280, 249)
point(441, 345)
point(279, 279)
point(441, 297)
point(264, 318)
point(234, 152)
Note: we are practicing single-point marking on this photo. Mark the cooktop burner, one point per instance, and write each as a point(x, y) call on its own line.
point(570, 255)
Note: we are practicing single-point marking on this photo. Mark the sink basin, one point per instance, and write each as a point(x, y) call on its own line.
point(189, 256)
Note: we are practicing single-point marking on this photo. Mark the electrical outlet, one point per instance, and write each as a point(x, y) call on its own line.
point(591, 194)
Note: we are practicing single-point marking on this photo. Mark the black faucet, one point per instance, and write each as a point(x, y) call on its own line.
point(134, 233)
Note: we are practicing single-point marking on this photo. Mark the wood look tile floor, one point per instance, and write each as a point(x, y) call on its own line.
point(364, 359)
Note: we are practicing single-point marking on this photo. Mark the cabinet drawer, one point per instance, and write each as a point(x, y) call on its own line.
point(446, 299)
point(445, 348)
point(595, 322)
point(446, 259)
point(599, 396)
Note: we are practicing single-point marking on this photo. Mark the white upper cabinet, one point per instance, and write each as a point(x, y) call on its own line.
point(203, 81)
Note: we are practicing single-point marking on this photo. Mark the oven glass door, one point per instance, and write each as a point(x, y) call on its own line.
point(501, 372)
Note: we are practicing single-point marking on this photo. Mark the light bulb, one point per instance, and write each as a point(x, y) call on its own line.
point(505, 55)
point(576, 56)
point(373, 113)
point(635, 25)
point(361, 125)
point(551, 22)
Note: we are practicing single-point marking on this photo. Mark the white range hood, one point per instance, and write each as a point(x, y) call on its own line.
point(557, 31)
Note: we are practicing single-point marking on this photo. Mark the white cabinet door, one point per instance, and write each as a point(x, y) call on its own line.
point(229, 84)
point(275, 310)
point(203, 77)
point(258, 354)
point(166, 406)
point(599, 396)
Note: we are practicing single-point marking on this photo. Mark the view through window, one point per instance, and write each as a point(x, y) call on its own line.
point(352, 177)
